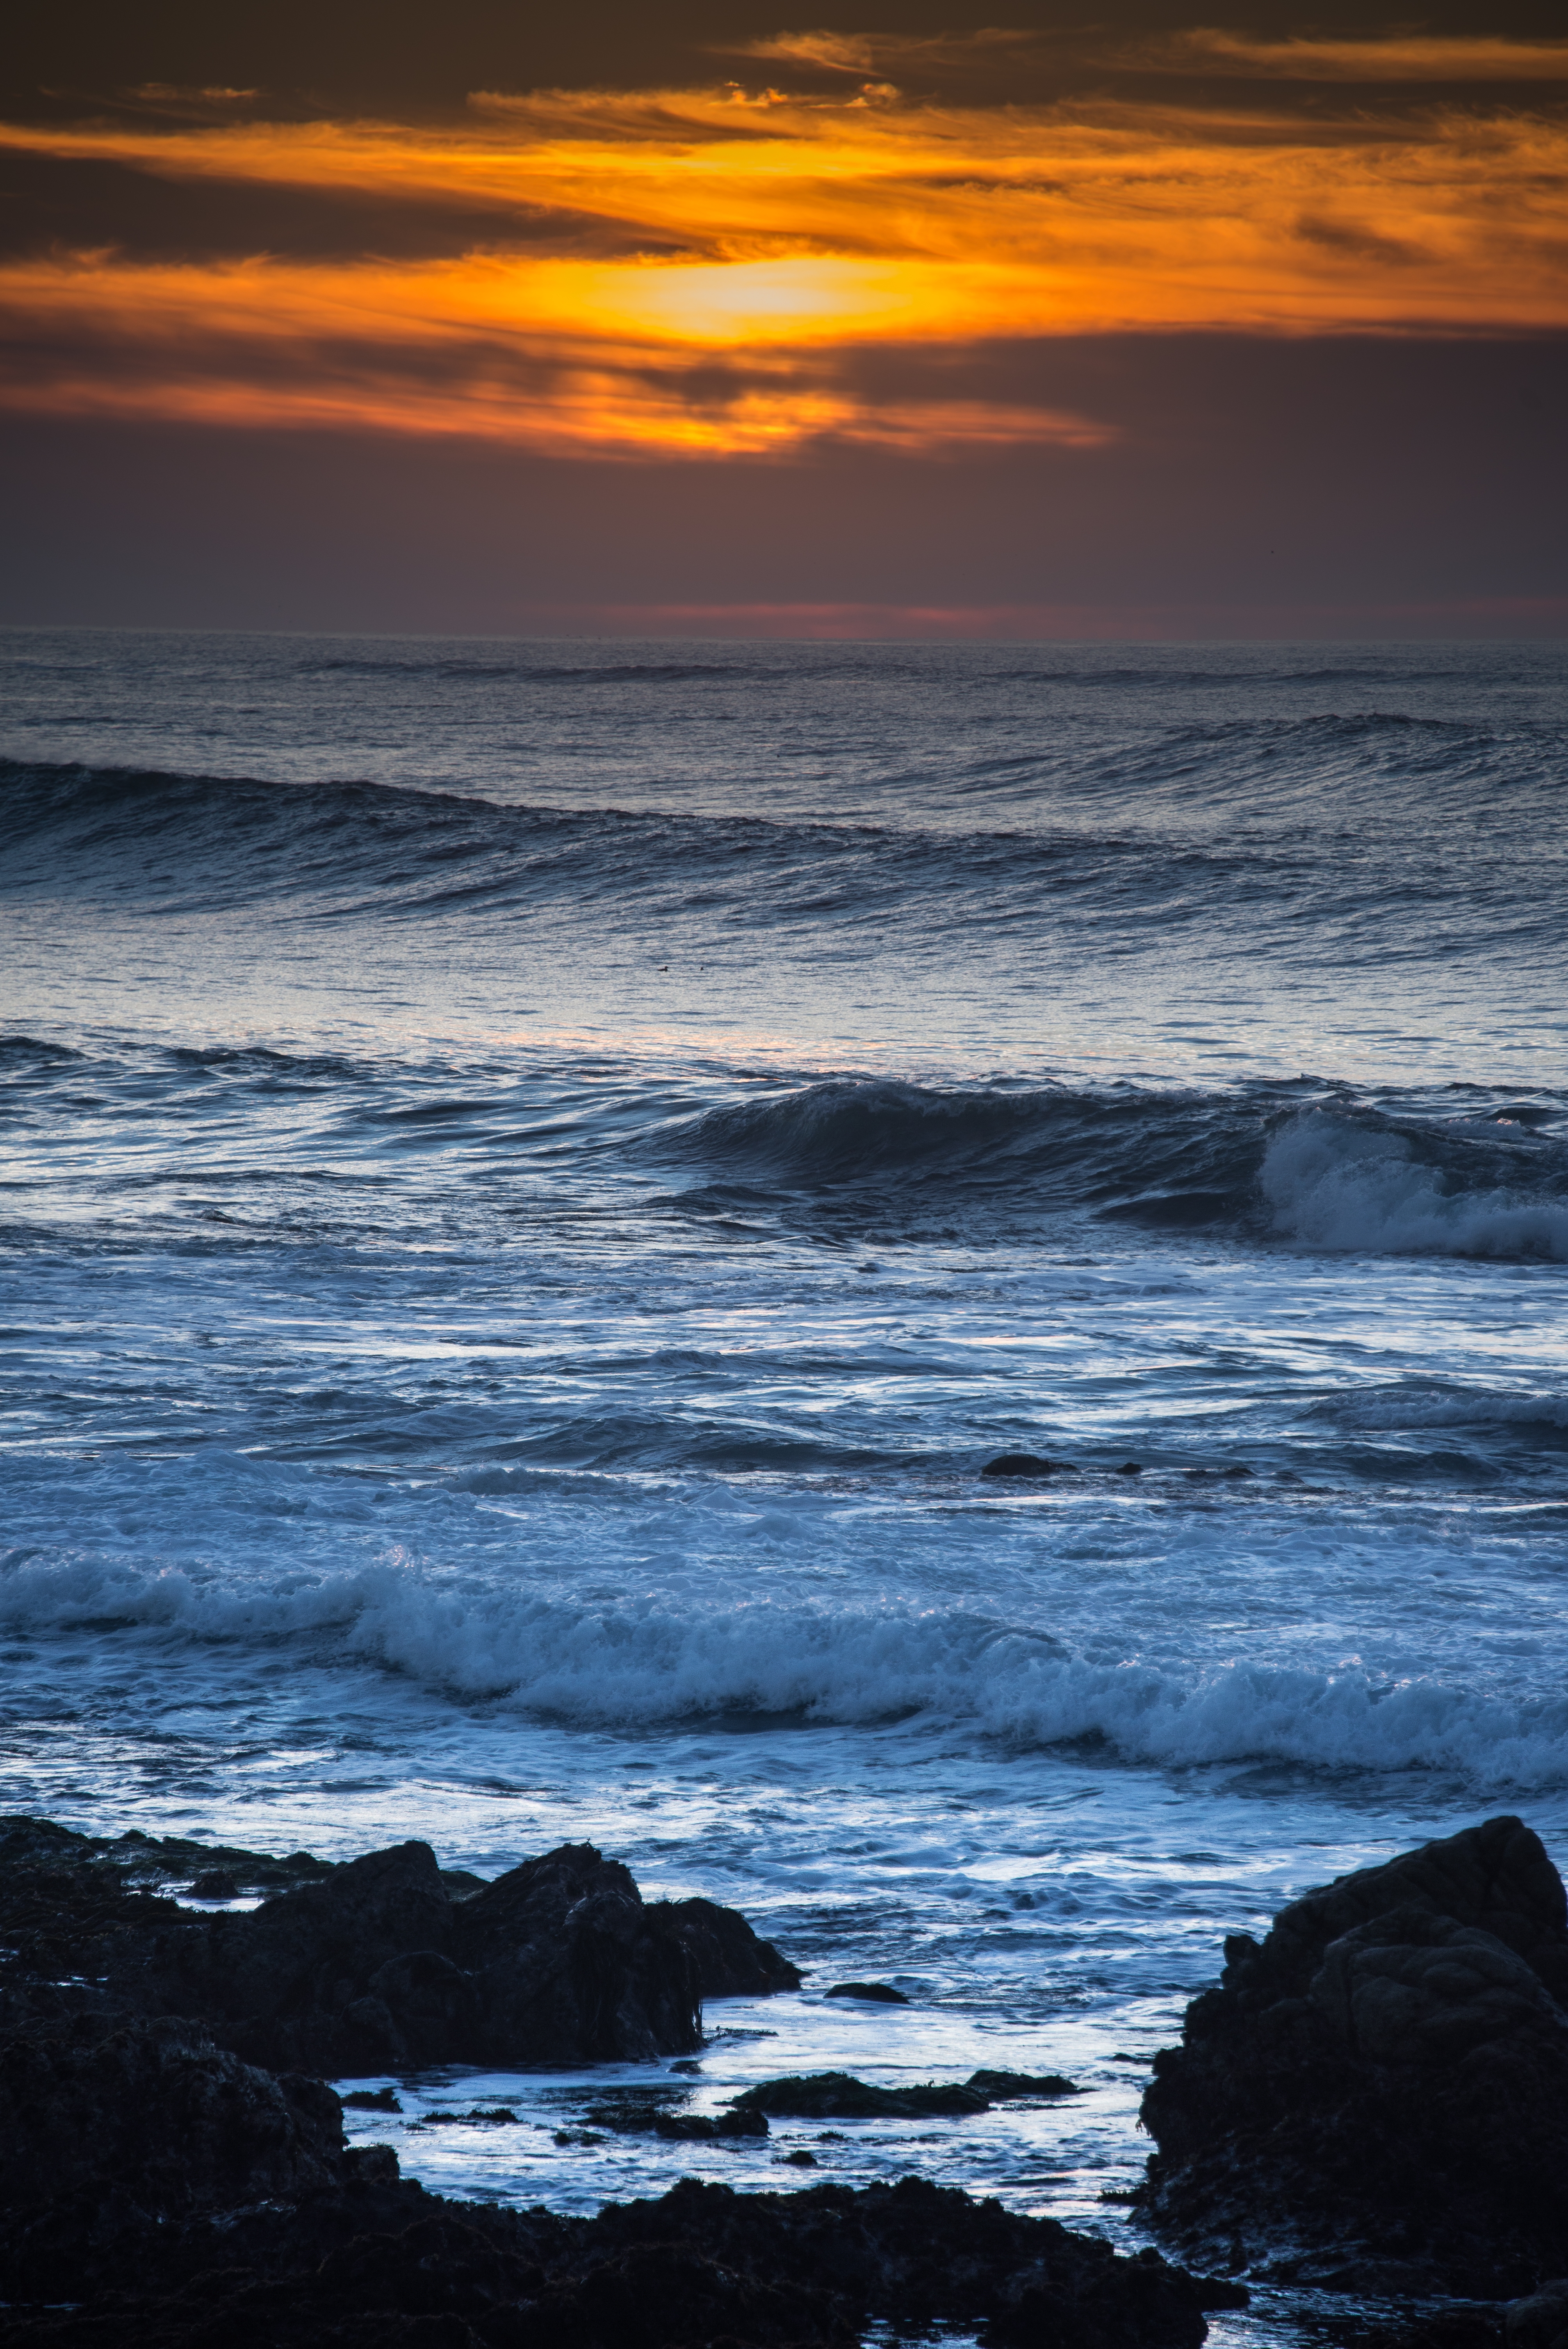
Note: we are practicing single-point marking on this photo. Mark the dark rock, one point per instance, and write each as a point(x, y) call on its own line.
point(1130, 1468)
point(670, 2295)
point(1108, 2306)
point(159, 2191)
point(710, 2125)
point(372, 2100)
point(343, 1976)
point(839, 2097)
point(1008, 2088)
point(644, 2116)
point(215, 1884)
point(375, 2263)
point(134, 1858)
point(374, 1966)
point(444, 2116)
point(880, 1993)
point(106, 2131)
point(1541, 2319)
point(730, 1960)
point(1023, 1464)
point(1382, 2085)
point(915, 2255)
point(570, 1967)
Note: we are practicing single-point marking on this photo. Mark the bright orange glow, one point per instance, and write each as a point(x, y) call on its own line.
point(763, 239)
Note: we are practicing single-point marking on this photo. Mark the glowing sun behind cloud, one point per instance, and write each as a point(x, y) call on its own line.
point(694, 271)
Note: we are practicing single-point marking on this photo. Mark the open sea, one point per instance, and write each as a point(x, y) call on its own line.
point(536, 1175)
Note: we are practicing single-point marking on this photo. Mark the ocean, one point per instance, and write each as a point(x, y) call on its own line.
point(537, 1174)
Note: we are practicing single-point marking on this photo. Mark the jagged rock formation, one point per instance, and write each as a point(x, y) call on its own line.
point(1378, 2094)
point(386, 1961)
point(840, 2097)
point(159, 2191)
point(375, 2263)
point(731, 1961)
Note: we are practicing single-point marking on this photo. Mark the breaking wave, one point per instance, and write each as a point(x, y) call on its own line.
point(1333, 1175)
point(1342, 1183)
point(652, 1664)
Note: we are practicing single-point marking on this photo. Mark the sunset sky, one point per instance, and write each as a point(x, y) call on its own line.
point(715, 323)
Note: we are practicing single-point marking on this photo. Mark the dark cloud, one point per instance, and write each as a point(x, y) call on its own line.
point(49, 203)
point(1361, 243)
point(1354, 486)
point(66, 58)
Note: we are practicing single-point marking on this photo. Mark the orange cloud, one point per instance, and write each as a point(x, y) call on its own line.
point(745, 248)
point(1380, 57)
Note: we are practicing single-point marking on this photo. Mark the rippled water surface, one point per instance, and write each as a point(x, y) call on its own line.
point(537, 1175)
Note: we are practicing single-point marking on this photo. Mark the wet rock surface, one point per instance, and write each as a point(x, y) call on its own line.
point(1376, 2096)
point(380, 1963)
point(632, 2114)
point(108, 2129)
point(731, 1961)
point(840, 2097)
point(702, 2267)
point(161, 2190)
point(1020, 2087)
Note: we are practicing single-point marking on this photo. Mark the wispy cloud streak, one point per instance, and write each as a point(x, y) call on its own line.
point(748, 246)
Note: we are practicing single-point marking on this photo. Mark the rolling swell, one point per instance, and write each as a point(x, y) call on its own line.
point(1326, 1172)
point(1139, 859)
point(1448, 1171)
point(331, 851)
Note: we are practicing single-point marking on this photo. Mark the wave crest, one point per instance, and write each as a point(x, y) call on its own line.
point(650, 1662)
point(1342, 1183)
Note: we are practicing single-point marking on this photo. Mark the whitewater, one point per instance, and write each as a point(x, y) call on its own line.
point(537, 1175)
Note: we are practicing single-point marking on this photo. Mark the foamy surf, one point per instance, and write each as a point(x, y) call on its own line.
point(539, 1178)
point(1335, 1181)
point(653, 1661)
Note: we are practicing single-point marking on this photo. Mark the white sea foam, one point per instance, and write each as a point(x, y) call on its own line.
point(654, 1662)
point(1336, 1183)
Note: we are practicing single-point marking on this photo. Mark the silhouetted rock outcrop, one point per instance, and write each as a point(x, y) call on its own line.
point(840, 2097)
point(1378, 2094)
point(158, 2190)
point(375, 2263)
point(731, 1961)
point(1020, 2087)
point(384, 1962)
point(109, 2130)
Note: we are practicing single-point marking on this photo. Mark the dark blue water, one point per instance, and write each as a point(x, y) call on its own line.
point(537, 1174)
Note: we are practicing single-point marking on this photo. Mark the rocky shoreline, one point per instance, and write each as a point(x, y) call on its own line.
point(1373, 2099)
point(1376, 2096)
